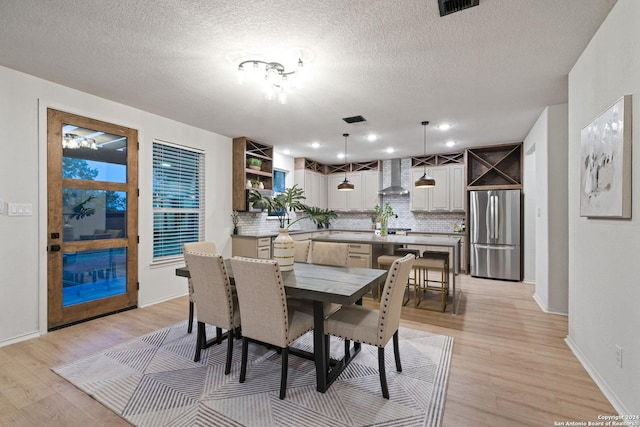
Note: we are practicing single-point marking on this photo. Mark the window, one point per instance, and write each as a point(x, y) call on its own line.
point(279, 180)
point(178, 199)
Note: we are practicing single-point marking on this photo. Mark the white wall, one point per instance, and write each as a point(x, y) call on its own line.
point(604, 267)
point(549, 213)
point(529, 195)
point(23, 102)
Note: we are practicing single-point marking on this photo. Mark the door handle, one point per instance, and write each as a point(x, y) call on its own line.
point(55, 248)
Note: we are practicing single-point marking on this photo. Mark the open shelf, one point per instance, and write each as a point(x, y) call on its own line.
point(244, 149)
point(495, 167)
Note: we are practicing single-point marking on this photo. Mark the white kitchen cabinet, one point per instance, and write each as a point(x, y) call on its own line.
point(359, 255)
point(314, 185)
point(457, 188)
point(363, 197)
point(254, 247)
point(446, 196)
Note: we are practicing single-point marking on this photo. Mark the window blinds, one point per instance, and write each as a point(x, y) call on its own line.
point(178, 199)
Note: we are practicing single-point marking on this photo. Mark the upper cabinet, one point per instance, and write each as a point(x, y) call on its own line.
point(498, 166)
point(366, 180)
point(309, 175)
point(245, 168)
point(449, 193)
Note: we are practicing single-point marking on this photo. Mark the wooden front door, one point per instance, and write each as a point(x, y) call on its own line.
point(92, 225)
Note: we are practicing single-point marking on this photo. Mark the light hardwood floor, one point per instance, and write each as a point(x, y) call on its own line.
point(510, 364)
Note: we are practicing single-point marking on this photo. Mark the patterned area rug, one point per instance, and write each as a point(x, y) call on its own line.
point(153, 381)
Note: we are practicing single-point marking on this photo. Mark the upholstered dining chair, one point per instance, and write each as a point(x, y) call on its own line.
point(268, 316)
point(375, 327)
point(302, 250)
point(329, 253)
point(217, 304)
point(203, 248)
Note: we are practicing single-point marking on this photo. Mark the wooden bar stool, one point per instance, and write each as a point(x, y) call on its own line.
point(432, 260)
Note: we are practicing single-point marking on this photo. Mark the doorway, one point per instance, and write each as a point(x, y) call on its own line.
point(92, 229)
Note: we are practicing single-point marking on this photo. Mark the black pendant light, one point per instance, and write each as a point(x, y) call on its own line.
point(345, 185)
point(425, 181)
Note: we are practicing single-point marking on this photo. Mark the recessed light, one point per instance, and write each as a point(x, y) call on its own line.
point(287, 152)
point(341, 155)
point(371, 137)
point(390, 150)
point(451, 143)
point(315, 145)
point(444, 126)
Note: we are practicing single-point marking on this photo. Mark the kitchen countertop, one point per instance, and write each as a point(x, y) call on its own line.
point(315, 230)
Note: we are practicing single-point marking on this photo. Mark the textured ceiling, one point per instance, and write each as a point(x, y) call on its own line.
point(489, 70)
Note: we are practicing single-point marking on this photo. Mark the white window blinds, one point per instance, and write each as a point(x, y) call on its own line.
point(178, 199)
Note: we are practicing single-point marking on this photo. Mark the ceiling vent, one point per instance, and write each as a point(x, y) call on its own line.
point(448, 7)
point(354, 119)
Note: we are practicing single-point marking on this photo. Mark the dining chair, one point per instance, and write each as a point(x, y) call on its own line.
point(200, 247)
point(268, 316)
point(375, 327)
point(329, 253)
point(217, 303)
point(301, 250)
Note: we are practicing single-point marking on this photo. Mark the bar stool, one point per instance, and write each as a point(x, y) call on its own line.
point(432, 260)
point(384, 262)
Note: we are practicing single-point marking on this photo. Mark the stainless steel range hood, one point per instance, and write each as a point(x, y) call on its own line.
point(396, 188)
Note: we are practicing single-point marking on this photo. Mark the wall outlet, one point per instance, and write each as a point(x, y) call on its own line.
point(619, 356)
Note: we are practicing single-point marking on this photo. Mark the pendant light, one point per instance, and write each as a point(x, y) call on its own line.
point(425, 181)
point(345, 185)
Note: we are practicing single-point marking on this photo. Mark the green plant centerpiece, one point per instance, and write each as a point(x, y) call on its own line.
point(384, 213)
point(254, 163)
point(282, 204)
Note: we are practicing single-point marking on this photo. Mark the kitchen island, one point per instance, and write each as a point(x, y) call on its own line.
point(387, 244)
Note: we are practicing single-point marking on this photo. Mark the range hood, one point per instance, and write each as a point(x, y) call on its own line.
point(395, 189)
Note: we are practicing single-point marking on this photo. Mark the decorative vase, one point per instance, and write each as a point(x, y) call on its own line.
point(249, 185)
point(383, 226)
point(261, 185)
point(283, 250)
point(235, 230)
point(255, 168)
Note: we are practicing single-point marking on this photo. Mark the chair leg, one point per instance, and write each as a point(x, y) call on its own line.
point(227, 367)
point(383, 375)
point(396, 352)
point(285, 368)
point(347, 349)
point(243, 363)
point(190, 326)
point(218, 335)
point(200, 340)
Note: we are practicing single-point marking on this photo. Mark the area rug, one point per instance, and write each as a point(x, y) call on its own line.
point(153, 381)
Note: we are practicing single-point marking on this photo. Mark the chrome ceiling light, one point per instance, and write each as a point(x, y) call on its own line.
point(425, 181)
point(275, 77)
point(345, 185)
point(73, 141)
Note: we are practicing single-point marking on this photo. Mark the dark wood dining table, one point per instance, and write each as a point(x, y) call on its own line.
point(321, 284)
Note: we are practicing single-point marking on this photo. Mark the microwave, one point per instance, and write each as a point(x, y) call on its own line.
point(250, 208)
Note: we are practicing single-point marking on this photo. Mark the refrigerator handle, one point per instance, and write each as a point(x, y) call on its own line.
point(496, 218)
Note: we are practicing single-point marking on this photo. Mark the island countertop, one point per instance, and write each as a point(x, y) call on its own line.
point(447, 243)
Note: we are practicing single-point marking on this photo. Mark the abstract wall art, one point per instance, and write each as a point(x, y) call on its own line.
point(605, 168)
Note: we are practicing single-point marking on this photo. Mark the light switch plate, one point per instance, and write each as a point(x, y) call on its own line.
point(20, 209)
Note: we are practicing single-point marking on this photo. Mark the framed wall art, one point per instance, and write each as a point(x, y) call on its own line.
point(605, 168)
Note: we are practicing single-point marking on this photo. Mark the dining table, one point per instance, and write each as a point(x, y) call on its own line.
point(322, 284)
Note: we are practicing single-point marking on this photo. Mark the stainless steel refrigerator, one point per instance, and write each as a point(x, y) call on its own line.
point(495, 234)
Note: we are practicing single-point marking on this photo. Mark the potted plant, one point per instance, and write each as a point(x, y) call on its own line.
point(282, 204)
point(384, 213)
point(235, 218)
point(254, 163)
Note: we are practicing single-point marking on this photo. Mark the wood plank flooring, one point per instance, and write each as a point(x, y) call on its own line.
point(510, 364)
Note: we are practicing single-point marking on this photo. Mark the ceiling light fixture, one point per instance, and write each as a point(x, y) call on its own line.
point(276, 78)
point(450, 143)
point(425, 181)
point(73, 141)
point(444, 126)
point(345, 185)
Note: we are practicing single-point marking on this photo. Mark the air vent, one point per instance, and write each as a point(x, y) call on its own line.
point(354, 119)
point(448, 7)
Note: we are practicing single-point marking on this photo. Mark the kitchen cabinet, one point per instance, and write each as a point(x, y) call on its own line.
point(462, 252)
point(249, 246)
point(244, 149)
point(314, 185)
point(446, 196)
point(359, 255)
point(363, 197)
point(496, 167)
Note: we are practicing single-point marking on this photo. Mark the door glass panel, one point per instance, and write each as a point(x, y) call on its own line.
point(94, 274)
point(92, 155)
point(94, 214)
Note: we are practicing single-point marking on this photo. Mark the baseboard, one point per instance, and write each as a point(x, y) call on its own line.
point(547, 309)
point(20, 338)
point(600, 382)
point(158, 301)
